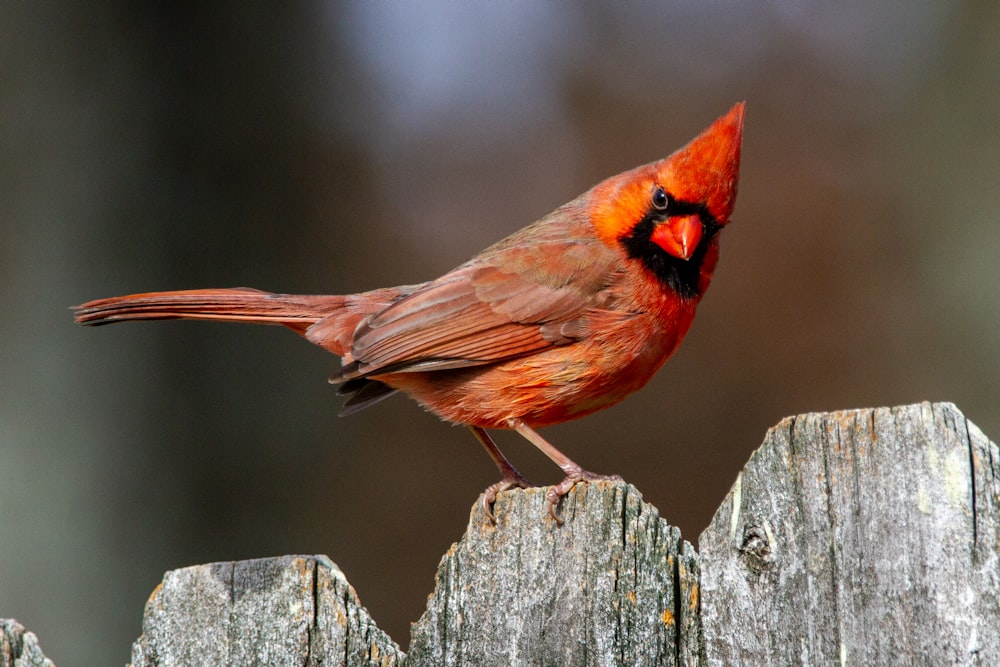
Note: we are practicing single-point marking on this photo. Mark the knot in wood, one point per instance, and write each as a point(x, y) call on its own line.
point(756, 548)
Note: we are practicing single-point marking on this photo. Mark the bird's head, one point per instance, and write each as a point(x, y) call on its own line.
point(667, 213)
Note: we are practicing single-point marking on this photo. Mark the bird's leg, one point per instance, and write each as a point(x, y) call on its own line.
point(574, 473)
point(511, 477)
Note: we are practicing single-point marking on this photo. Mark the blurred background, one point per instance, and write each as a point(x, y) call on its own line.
point(337, 147)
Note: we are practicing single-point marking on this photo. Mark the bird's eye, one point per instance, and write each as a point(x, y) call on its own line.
point(660, 199)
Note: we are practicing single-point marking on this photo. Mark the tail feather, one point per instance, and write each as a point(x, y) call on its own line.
point(238, 304)
point(335, 317)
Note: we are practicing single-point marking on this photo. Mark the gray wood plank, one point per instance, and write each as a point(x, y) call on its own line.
point(615, 585)
point(868, 537)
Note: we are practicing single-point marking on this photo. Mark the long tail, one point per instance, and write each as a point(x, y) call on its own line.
point(237, 304)
point(328, 321)
point(299, 312)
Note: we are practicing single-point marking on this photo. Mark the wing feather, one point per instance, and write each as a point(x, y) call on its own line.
point(513, 300)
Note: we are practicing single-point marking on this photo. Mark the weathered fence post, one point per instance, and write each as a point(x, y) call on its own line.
point(18, 647)
point(614, 585)
point(869, 537)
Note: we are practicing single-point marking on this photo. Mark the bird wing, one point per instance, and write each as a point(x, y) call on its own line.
point(513, 300)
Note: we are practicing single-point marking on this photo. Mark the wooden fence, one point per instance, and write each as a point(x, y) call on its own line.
point(869, 537)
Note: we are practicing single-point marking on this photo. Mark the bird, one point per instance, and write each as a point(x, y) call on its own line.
point(562, 318)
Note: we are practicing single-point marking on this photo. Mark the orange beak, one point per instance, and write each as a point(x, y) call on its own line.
point(678, 235)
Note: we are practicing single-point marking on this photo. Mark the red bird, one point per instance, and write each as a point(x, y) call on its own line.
point(563, 318)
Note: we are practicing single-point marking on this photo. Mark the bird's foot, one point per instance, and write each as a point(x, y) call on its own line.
point(573, 477)
point(511, 479)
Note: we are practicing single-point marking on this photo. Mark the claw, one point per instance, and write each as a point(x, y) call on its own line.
point(491, 492)
point(573, 477)
point(511, 477)
point(574, 473)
